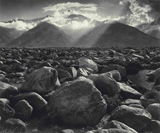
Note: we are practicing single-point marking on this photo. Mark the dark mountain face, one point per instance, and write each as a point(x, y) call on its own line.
point(43, 35)
point(152, 29)
point(117, 35)
point(8, 34)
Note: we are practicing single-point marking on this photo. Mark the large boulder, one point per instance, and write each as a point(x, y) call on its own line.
point(77, 103)
point(33, 98)
point(23, 110)
point(6, 90)
point(119, 125)
point(155, 126)
point(43, 80)
point(154, 110)
point(106, 84)
point(136, 118)
point(128, 92)
point(87, 63)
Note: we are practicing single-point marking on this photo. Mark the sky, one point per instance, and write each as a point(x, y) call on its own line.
point(28, 9)
point(132, 12)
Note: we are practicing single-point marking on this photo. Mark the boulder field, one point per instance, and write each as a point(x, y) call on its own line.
point(78, 90)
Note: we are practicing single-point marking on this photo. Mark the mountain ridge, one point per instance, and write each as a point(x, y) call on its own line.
point(116, 34)
point(43, 35)
point(8, 34)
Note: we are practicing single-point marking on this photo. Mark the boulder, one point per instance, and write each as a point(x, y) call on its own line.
point(112, 67)
point(152, 74)
point(116, 75)
point(77, 103)
point(118, 125)
point(136, 106)
point(23, 110)
point(155, 126)
point(128, 92)
point(63, 75)
point(15, 125)
point(150, 97)
point(106, 84)
point(157, 78)
point(73, 72)
point(4, 100)
point(133, 67)
point(33, 98)
point(87, 63)
point(2, 76)
point(68, 131)
point(154, 110)
point(112, 102)
point(136, 118)
point(131, 101)
point(157, 88)
point(113, 130)
point(6, 90)
point(43, 80)
point(82, 72)
point(6, 111)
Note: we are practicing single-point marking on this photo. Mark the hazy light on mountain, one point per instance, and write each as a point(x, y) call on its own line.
point(79, 25)
point(19, 25)
point(65, 9)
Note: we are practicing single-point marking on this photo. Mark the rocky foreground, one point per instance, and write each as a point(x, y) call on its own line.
point(73, 90)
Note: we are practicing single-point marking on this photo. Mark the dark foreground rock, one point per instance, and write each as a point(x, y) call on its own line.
point(136, 118)
point(118, 125)
point(77, 103)
point(23, 110)
point(6, 111)
point(15, 125)
point(33, 98)
point(43, 80)
point(40, 87)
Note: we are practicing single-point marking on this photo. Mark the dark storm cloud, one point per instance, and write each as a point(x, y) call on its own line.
point(155, 4)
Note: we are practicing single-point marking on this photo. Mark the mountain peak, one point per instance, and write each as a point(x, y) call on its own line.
point(43, 35)
point(117, 34)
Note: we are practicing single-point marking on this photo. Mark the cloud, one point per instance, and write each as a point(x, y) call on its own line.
point(65, 9)
point(19, 25)
point(71, 6)
point(138, 12)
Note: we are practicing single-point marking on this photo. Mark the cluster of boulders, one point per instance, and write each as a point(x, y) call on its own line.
point(74, 88)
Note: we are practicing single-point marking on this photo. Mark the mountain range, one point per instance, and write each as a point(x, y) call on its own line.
point(102, 34)
point(43, 35)
point(8, 34)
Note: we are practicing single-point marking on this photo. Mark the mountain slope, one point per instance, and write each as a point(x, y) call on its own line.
point(8, 34)
point(43, 35)
point(116, 35)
